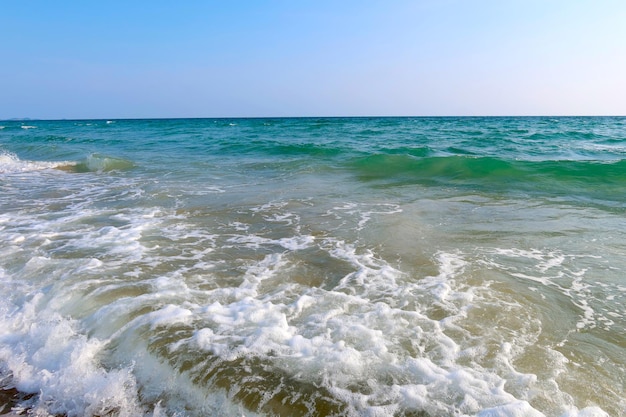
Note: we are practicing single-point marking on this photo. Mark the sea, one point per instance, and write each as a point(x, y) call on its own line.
point(411, 266)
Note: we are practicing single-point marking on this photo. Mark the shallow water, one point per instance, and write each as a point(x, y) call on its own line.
point(382, 267)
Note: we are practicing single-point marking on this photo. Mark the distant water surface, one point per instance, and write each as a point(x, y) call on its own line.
point(425, 267)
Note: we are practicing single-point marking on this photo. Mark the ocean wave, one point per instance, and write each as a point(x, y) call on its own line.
point(10, 163)
point(312, 267)
point(103, 163)
point(488, 172)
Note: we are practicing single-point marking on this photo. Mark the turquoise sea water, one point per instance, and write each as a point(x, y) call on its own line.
point(334, 266)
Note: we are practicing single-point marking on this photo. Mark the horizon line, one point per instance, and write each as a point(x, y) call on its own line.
point(31, 119)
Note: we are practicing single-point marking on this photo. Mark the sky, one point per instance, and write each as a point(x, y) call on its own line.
point(160, 59)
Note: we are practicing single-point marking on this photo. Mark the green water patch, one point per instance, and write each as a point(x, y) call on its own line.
point(606, 180)
point(102, 163)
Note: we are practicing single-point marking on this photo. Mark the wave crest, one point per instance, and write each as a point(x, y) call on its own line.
point(11, 163)
point(103, 163)
point(489, 173)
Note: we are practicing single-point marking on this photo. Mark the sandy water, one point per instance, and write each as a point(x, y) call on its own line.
point(380, 267)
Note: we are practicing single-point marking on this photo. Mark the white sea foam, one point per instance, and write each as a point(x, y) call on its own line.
point(374, 326)
point(210, 288)
point(46, 353)
point(551, 269)
point(364, 211)
point(347, 338)
point(289, 243)
point(599, 147)
point(10, 163)
point(119, 296)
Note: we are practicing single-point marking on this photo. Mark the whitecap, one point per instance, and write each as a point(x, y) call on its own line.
point(49, 358)
point(10, 163)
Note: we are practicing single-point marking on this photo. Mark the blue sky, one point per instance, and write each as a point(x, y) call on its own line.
point(139, 59)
